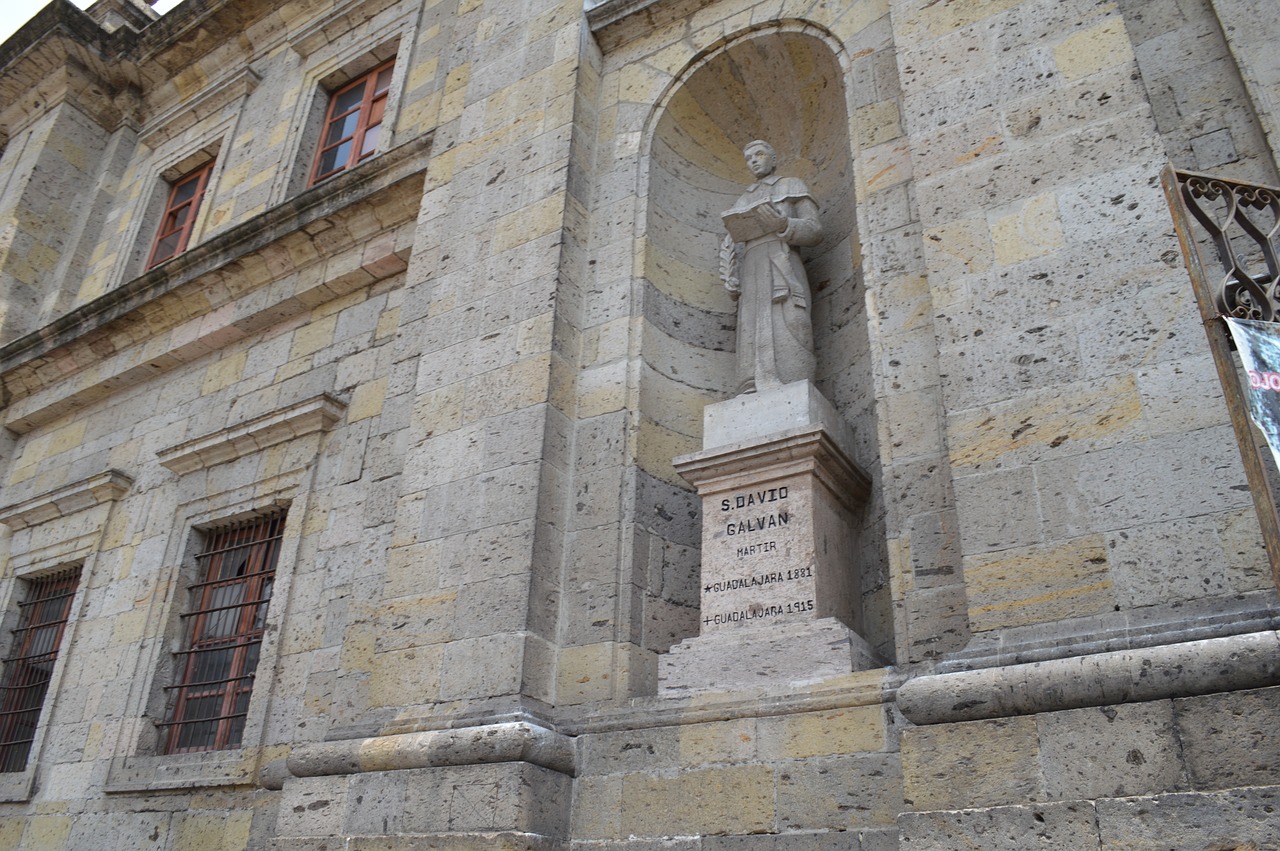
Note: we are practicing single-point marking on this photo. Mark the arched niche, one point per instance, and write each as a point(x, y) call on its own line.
point(786, 85)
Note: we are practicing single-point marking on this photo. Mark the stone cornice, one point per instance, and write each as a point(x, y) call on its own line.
point(517, 741)
point(215, 274)
point(1231, 663)
point(66, 500)
point(318, 413)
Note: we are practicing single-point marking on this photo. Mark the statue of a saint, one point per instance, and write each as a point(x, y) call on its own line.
point(762, 270)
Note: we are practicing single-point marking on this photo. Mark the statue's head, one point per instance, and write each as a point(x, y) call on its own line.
point(761, 158)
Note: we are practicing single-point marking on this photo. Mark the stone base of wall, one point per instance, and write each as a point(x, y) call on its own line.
point(1233, 820)
point(511, 805)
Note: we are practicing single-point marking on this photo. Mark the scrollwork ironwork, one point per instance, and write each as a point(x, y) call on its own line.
point(1235, 217)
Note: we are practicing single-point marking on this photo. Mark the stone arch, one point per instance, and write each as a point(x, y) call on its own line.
point(784, 82)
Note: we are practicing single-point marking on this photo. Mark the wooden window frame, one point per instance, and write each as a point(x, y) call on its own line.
point(228, 615)
point(369, 114)
point(28, 669)
point(169, 226)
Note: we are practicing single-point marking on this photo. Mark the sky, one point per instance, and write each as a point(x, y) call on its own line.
point(15, 13)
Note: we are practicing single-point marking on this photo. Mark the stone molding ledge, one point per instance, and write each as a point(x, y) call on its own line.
point(318, 413)
point(803, 449)
point(517, 741)
point(66, 500)
point(1232, 663)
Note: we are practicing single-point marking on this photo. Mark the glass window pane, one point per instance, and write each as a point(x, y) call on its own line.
point(342, 128)
point(370, 144)
point(349, 100)
point(335, 158)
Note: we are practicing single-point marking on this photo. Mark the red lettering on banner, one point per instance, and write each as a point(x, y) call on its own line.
point(1264, 380)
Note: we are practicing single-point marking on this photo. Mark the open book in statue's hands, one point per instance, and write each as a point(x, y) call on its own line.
point(746, 224)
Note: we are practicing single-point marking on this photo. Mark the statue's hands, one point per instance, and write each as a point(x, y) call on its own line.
point(770, 218)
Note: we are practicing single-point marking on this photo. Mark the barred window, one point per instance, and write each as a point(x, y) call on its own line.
point(180, 215)
point(28, 669)
point(224, 631)
point(353, 123)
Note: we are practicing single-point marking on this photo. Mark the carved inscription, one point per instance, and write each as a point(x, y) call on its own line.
point(787, 590)
point(758, 518)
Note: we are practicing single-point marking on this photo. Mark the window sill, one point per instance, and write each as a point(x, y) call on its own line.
point(16, 786)
point(182, 771)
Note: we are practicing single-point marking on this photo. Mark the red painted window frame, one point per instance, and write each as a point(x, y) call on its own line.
point(224, 631)
point(180, 214)
point(29, 667)
point(369, 113)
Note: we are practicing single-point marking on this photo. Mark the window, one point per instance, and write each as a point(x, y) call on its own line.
point(27, 671)
point(224, 635)
point(180, 215)
point(353, 123)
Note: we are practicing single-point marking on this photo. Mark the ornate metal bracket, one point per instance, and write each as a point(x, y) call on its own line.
point(1243, 221)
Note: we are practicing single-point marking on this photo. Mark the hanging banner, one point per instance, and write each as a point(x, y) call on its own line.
point(1259, 347)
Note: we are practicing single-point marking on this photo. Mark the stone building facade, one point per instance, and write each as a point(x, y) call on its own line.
point(409, 404)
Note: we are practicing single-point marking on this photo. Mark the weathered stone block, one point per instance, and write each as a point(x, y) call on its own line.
point(1052, 827)
point(1229, 738)
point(999, 759)
point(708, 801)
point(1110, 752)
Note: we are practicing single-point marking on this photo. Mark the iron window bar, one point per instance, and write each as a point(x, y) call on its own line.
point(28, 670)
point(222, 637)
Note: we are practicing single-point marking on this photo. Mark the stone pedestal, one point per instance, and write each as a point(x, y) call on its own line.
point(780, 579)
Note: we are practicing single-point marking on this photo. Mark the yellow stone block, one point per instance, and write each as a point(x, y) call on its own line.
point(128, 627)
point(656, 445)
point(47, 832)
point(583, 673)
point(67, 437)
point(341, 303)
point(978, 763)
point(1095, 49)
point(388, 322)
point(422, 73)
point(537, 219)
point(877, 123)
point(358, 647)
point(438, 411)
point(213, 830)
point(312, 337)
point(858, 729)
point(1039, 584)
point(718, 742)
point(1072, 415)
point(508, 388)
point(366, 400)
point(408, 676)
point(964, 243)
point(853, 17)
point(941, 18)
point(602, 390)
point(710, 801)
point(223, 373)
point(882, 167)
point(1033, 231)
point(10, 832)
point(697, 287)
point(92, 742)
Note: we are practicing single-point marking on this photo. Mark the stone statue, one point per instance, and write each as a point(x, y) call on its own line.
point(763, 272)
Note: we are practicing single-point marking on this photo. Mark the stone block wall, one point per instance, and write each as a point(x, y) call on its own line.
point(1196, 771)
point(465, 365)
